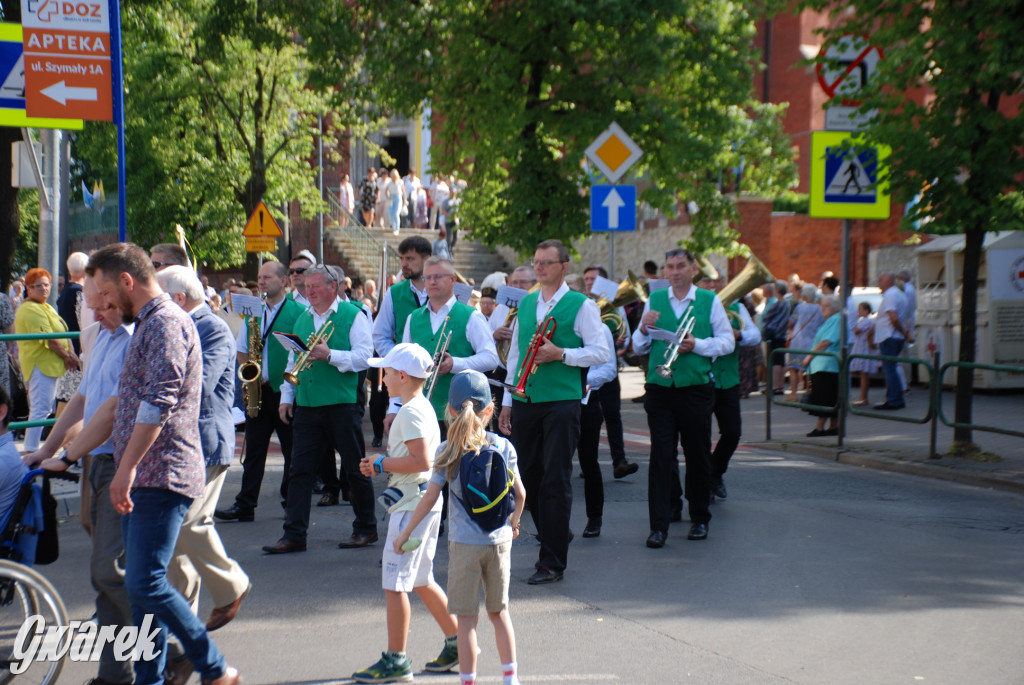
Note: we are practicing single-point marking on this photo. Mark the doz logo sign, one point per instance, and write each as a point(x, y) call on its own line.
point(51, 11)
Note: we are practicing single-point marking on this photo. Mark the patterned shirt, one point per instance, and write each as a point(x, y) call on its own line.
point(161, 384)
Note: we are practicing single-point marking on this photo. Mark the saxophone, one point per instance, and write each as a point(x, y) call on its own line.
point(251, 372)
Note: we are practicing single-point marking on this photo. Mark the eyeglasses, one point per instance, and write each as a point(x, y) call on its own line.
point(298, 271)
point(546, 262)
point(437, 277)
point(157, 265)
point(41, 286)
point(521, 284)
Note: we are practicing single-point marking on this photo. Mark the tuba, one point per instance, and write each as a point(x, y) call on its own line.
point(251, 372)
point(629, 291)
point(303, 362)
point(751, 276)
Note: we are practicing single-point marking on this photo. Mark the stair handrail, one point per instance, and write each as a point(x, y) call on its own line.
point(357, 234)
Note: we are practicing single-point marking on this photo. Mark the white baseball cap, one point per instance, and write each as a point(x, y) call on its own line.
point(411, 358)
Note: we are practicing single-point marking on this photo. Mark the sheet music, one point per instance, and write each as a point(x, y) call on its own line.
point(290, 342)
point(509, 296)
point(662, 335)
point(604, 287)
point(463, 292)
point(246, 305)
point(657, 283)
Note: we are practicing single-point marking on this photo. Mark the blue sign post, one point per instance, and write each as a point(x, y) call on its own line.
point(612, 208)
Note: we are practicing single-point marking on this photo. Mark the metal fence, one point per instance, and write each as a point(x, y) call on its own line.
point(15, 337)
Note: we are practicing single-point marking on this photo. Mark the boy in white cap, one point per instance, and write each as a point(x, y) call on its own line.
point(412, 443)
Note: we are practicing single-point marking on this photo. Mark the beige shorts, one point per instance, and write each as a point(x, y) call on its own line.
point(471, 565)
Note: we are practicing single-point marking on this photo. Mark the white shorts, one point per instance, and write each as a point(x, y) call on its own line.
point(405, 572)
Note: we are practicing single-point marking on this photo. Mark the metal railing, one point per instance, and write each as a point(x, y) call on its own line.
point(357, 235)
point(933, 414)
point(15, 337)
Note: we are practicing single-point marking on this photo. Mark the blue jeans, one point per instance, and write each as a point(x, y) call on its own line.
point(150, 533)
point(893, 385)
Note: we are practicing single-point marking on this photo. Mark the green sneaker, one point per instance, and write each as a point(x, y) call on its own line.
point(445, 661)
point(390, 669)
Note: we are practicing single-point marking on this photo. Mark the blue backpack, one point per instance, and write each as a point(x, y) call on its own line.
point(486, 480)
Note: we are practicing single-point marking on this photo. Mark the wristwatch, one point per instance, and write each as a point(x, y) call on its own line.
point(63, 456)
point(378, 465)
point(563, 356)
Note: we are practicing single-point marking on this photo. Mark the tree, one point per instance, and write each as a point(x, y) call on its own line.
point(519, 88)
point(222, 106)
point(948, 97)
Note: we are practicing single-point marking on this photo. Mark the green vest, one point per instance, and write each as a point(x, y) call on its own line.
point(273, 352)
point(322, 384)
point(403, 303)
point(421, 333)
point(727, 369)
point(553, 381)
point(688, 369)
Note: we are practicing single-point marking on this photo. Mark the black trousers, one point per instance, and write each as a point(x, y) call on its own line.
point(727, 414)
point(590, 438)
point(679, 416)
point(610, 399)
point(378, 402)
point(333, 477)
point(257, 441)
point(339, 427)
point(545, 435)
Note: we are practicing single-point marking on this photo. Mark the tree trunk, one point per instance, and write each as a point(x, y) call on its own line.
point(9, 216)
point(973, 240)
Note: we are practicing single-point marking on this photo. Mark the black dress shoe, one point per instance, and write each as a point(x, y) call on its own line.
point(625, 468)
point(639, 400)
point(327, 500)
point(593, 528)
point(284, 546)
point(698, 531)
point(885, 406)
point(718, 490)
point(545, 575)
point(235, 513)
point(377, 442)
point(358, 540)
point(656, 539)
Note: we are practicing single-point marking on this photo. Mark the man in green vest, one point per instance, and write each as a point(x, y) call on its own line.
point(398, 303)
point(726, 370)
point(679, 406)
point(279, 315)
point(545, 425)
point(470, 345)
point(324, 410)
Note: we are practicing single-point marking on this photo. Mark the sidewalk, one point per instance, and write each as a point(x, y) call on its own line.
point(879, 443)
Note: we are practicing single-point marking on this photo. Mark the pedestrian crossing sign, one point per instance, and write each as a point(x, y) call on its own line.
point(844, 181)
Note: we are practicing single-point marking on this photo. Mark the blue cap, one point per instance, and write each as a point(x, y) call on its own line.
point(469, 385)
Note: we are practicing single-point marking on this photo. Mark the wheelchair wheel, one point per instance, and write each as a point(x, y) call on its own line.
point(24, 593)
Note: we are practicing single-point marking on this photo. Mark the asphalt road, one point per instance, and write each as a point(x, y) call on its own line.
point(814, 572)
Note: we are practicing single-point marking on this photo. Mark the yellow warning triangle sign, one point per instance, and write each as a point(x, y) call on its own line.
point(261, 223)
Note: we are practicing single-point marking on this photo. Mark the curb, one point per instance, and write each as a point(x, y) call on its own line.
point(893, 464)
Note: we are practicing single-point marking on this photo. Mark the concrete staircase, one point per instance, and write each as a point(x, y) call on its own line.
point(360, 249)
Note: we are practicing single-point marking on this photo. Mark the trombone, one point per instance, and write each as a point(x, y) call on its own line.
point(440, 350)
point(303, 362)
point(686, 325)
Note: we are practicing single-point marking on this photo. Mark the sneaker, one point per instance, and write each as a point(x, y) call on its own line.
point(445, 661)
point(390, 669)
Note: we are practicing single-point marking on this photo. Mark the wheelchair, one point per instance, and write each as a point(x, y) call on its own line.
point(28, 535)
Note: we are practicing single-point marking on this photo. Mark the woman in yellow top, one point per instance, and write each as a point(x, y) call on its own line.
point(42, 361)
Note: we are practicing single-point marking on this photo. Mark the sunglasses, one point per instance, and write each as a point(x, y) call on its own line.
point(157, 265)
point(301, 270)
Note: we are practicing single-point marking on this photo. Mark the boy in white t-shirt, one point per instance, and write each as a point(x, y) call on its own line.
point(412, 443)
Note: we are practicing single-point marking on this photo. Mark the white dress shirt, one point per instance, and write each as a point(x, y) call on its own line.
point(588, 326)
point(893, 299)
point(719, 344)
point(267, 320)
point(384, 332)
point(606, 372)
point(346, 361)
point(484, 357)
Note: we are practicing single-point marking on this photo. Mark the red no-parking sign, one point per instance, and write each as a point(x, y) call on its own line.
point(849, 63)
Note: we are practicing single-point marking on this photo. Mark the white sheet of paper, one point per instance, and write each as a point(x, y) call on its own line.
point(509, 296)
point(289, 344)
point(247, 305)
point(657, 283)
point(463, 292)
point(605, 287)
point(661, 334)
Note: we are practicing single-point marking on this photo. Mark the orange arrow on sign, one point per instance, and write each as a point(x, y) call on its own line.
point(261, 223)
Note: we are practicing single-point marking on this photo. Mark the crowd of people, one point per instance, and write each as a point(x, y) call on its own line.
point(152, 397)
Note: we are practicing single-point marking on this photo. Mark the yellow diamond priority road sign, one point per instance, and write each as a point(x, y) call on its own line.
point(614, 152)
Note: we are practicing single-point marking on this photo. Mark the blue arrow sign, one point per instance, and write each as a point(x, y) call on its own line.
point(612, 208)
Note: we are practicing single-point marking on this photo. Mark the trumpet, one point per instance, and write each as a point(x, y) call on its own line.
point(303, 362)
point(439, 351)
point(545, 331)
point(686, 325)
point(503, 345)
point(251, 372)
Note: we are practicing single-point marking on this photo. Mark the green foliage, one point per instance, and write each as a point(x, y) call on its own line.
point(522, 87)
point(798, 203)
point(26, 252)
point(222, 112)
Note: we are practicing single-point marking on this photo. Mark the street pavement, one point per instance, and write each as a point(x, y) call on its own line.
point(824, 565)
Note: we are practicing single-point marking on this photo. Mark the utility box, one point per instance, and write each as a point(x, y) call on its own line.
point(22, 175)
point(1000, 317)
